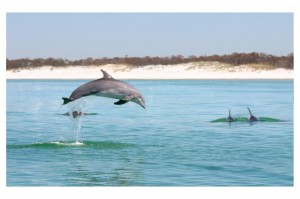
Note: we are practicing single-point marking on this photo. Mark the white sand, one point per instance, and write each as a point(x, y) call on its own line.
point(203, 70)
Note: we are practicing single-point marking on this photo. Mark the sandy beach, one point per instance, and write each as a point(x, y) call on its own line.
point(210, 70)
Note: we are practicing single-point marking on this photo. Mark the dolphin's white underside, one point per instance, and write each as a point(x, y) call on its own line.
point(110, 94)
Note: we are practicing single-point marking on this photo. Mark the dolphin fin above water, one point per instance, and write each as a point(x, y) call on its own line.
point(106, 75)
point(252, 118)
point(229, 118)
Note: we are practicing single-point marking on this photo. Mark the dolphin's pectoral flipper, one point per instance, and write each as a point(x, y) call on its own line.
point(120, 102)
point(66, 100)
point(124, 100)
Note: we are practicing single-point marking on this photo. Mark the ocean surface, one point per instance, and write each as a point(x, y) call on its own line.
point(181, 139)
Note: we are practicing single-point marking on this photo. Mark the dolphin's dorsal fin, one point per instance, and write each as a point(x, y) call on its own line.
point(106, 75)
point(249, 111)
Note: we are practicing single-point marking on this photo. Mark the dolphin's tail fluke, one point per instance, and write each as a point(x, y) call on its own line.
point(66, 100)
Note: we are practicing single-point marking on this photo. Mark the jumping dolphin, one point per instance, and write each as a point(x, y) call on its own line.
point(251, 118)
point(109, 87)
point(229, 118)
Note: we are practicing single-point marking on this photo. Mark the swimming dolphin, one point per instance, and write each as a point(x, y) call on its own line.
point(109, 87)
point(251, 118)
point(229, 118)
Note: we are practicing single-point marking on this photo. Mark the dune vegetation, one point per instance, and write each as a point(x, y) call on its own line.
point(254, 60)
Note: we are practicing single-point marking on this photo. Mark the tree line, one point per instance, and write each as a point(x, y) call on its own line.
point(234, 59)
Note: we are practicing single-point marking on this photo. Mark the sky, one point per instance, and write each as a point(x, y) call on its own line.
point(80, 35)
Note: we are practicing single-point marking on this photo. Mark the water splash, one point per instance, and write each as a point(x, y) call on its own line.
point(76, 114)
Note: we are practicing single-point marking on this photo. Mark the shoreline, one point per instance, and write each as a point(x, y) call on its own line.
point(190, 71)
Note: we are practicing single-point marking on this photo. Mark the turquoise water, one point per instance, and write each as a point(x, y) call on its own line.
point(181, 139)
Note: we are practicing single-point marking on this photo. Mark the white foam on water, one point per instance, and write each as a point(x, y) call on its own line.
point(77, 143)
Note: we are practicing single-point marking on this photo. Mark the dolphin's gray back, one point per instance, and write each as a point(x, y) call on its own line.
point(108, 87)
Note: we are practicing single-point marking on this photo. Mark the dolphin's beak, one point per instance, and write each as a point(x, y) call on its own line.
point(143, 106)
point(142, 103)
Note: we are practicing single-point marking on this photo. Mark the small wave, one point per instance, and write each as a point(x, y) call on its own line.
point(45, 145)
point(108, 145)
point(268, 119)
point(245, 119)
point(238, 119)
point(63, 144)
